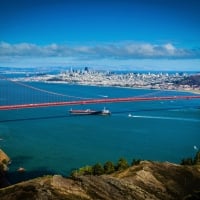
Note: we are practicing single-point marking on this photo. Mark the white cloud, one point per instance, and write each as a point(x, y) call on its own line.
point(126, 50)
point(170, 48)
point(118, 56)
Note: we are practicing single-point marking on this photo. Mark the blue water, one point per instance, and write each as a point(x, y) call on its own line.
point(49, 140)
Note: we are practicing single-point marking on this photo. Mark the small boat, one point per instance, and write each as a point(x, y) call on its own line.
point(90, 112)
point(21, 169)
point(105, 112)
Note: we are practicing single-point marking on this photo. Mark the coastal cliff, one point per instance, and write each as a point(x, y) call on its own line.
point(147, 180)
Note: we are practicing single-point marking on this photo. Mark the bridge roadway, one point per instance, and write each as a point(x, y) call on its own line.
point(95, 101)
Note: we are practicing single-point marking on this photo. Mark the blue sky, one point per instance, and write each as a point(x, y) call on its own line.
point(108, 34)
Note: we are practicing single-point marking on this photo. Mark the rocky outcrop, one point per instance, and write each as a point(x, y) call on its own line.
point(148, 180)
point(4, 161)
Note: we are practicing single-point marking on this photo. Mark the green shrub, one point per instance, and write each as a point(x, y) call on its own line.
point(86, 170)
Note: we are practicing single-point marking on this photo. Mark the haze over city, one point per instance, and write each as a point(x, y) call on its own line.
point(119, 35)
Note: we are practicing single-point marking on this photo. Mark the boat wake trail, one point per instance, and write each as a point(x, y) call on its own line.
point(165, 118)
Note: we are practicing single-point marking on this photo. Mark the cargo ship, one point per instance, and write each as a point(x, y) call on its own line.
point(90, 112)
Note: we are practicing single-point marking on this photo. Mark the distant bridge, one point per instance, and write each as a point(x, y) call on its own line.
point(96, 101)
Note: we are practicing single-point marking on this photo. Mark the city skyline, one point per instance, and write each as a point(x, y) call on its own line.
point(132, 35)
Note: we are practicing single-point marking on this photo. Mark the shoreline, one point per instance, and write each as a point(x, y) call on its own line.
point(125, 87)
point(148, 81)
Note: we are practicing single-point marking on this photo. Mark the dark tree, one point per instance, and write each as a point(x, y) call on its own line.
point(122, 164)
point(97, 169)
point(109, 167)
point(187, 161)
point(197, 158)
point(135, 162)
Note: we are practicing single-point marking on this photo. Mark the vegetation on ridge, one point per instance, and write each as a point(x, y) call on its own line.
point(122, 164)
point(107, 168)
point(191, 161)
point(148, 180)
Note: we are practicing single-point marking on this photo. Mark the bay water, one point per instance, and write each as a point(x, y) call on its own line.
point(50, 141)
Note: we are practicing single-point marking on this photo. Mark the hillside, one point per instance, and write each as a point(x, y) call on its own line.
point(148, 180)
point(190, 80)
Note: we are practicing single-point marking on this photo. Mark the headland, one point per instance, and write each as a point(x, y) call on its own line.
point(142, 180)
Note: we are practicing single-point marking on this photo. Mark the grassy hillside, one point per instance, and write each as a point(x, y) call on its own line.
point(147, 180)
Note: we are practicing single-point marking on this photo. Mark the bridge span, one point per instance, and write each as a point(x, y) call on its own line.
point(95, 101)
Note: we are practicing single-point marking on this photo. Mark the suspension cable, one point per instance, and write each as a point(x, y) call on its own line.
point(41, 90)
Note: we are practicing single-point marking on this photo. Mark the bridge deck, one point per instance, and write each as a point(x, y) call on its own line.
point(95, 101)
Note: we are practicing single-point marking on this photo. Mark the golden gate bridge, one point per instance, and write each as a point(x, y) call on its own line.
point(8, 84)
